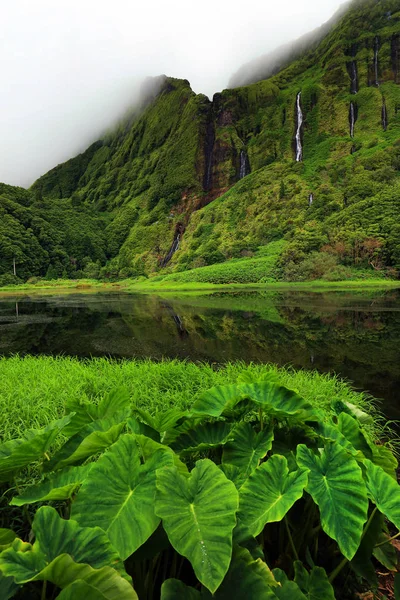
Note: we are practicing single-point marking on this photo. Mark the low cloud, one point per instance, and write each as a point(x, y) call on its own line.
point(71, 68)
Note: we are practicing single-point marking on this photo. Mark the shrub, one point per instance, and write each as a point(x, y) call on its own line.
point(8, 279)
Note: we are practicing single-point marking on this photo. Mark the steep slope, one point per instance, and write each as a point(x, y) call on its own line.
point(311, 155)
point(46, 236)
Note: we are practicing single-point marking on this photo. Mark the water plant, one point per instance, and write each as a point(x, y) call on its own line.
point(252, 492)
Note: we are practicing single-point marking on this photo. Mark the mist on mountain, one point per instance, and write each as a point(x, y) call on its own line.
point(70, 70)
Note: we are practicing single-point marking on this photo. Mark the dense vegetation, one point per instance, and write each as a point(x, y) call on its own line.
point(173, 168)
point(250, 490)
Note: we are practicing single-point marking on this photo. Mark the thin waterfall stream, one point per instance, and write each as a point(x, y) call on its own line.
point(299, 124)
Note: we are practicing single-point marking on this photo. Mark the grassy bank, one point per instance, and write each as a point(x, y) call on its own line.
point(166, 285)
point(33, 391)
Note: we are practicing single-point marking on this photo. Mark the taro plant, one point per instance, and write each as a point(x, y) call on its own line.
point(252, 493)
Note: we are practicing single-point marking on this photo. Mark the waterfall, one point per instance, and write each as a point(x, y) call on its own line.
point(242, 172)
point(310, 199)
point(244, 165)
point(376, 50)
point(354, 77)
point(352, 118)
point(299, 124)
point(171, 251)
point(208, 156)
point(384, 115)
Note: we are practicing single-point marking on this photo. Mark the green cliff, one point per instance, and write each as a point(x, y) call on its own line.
point(186, 182)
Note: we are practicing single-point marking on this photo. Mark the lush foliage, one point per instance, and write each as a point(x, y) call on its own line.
point(34, 390)
point(220, 500)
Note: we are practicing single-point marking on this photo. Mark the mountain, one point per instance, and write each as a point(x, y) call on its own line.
point(310, 155)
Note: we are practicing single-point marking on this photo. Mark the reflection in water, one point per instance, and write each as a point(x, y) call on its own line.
point(353, 334)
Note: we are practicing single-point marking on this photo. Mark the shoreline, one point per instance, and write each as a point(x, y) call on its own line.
point(148, 288)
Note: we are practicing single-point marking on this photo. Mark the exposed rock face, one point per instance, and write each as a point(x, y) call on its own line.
point(395, 57)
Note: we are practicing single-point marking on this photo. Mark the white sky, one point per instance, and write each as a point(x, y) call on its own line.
point(69, 68)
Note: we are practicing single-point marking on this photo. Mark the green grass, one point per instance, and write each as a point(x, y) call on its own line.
point(166, 285)
point(59, 284)
point(33, 391)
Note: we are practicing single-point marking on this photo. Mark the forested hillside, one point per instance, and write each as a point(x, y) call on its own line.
point(311, 156)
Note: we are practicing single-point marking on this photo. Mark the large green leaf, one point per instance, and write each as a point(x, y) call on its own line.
point(114, 402)
point(383, 457)
point(118, 495)
point(63, 571)
point(351, 430)
point(203, 437)
point(275, 399)
point(17, 454)
point(330, 432)
point(60, 486)
point(246, 578)
point(199, 514)
point(100, 585)
point(89, 440)
point(279, 401)
point(217, 400)
point(336, 484)
point(314, 585)
point(340, 406)
point(174, 589)
point(55, 536)
point(287, 590)
point(384, 492)
point(386, 553)
point(140, 428)
point(161, 421)
point(247, 448)
point(268, 494)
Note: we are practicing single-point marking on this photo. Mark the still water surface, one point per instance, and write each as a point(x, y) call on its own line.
point(354, 334)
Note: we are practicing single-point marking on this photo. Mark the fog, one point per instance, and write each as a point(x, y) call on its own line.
point(70, 68)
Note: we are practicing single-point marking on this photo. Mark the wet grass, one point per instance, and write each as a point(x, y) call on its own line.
point(33, 390)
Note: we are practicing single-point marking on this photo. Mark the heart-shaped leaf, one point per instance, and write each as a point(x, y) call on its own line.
point(118, 495)
point(336, 484)
point(174, 589)
point(55, 536)
point(203, 437)
point(17, 454)
point(199, 514)
point(247, 448)
point(96, 587)
point(384, 492)
point(268, 494)
point(60, 486)
point(89, 440)
point(314, 584)
point(275, 399)
point(114, 402)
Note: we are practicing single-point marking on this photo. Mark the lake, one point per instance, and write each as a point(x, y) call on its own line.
point(354, 334)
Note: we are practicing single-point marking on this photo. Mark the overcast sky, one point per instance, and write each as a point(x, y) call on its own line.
point(68, 68)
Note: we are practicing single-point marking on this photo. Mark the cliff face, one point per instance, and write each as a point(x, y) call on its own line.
point(186, 181)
